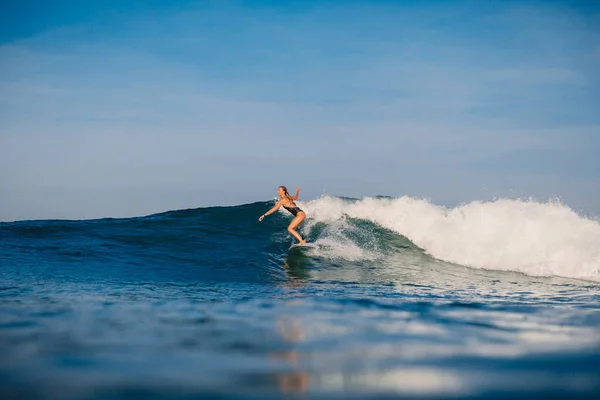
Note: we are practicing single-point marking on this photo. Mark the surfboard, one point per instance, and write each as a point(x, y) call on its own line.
point(300, 246)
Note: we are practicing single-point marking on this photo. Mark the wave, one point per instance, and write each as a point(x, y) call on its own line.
point(217, 243)
point(534, 238)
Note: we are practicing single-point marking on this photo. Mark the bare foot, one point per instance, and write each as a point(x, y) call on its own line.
point(302, 242)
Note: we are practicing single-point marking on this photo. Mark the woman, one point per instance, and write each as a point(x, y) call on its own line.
point(287, 202)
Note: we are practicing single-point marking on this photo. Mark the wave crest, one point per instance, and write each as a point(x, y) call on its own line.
point(538, 239)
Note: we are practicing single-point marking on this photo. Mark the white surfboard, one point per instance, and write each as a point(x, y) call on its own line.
point(301, 246)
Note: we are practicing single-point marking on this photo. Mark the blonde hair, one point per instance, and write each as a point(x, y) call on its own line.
point(285, 192)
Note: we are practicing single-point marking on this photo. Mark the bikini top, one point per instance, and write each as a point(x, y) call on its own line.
point(293, 207)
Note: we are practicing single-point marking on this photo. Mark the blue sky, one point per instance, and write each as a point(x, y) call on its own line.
point(124, 108)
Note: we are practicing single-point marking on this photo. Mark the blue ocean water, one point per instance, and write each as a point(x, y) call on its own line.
point(398, 298)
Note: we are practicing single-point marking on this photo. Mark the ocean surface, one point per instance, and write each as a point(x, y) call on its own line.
point(398, 298)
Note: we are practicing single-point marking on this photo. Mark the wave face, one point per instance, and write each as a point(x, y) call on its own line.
point(213, 244)
point(220, 244)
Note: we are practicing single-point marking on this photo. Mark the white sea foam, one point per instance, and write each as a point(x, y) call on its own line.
point(539, 239)
point(336, 242)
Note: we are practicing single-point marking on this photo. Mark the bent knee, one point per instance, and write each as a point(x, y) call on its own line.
point(290, 229)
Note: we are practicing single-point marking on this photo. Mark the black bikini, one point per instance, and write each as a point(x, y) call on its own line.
point(293, 210)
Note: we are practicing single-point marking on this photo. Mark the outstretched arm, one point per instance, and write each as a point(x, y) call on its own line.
point(295, 197)
point(271, 211)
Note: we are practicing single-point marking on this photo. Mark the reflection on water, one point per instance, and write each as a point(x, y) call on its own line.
point(297, 267)
point(295, 381)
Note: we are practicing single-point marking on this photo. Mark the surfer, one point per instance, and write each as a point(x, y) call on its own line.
point(287, 202)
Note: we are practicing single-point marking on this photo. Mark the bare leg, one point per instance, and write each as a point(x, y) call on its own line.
point(294, 224)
